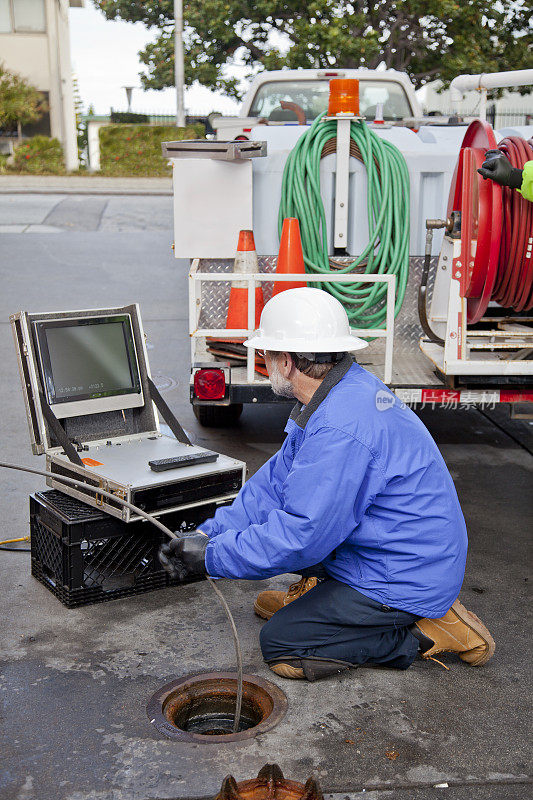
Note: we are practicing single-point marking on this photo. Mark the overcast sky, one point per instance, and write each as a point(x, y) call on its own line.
point(105, 59)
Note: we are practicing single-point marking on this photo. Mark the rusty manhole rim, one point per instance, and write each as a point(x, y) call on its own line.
point(156, 704)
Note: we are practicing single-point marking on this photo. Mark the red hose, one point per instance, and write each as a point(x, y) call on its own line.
point(513, 287)
point(498, 226)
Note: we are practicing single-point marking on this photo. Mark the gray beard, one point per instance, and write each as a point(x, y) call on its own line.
point(280, 385)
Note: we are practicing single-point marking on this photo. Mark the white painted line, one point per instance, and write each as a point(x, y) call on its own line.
point(12, 228)
point(43, 229)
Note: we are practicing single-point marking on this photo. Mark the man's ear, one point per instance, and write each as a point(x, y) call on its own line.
point(285, 364)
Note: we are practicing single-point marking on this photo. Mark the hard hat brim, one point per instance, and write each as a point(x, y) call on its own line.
point(342, 344)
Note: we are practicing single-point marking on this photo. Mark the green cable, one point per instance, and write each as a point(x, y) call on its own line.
point(387, 251)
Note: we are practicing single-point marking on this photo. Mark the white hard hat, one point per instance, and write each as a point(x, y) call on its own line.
point(305, 321)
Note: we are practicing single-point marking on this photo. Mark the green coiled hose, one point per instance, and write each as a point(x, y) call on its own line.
point(388, 217)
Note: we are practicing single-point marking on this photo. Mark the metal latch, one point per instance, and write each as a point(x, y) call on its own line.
point(209, 148)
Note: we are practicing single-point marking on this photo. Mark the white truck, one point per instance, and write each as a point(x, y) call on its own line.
point(297, 96)
point(235, 183)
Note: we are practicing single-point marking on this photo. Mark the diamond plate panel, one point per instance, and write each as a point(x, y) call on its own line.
point(214, 296)
point(410, 366)
point(407, 330)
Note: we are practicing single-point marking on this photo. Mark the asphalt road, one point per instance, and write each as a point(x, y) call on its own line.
point(75, 683)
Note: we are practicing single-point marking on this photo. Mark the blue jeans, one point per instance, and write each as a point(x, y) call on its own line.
point(333, 621)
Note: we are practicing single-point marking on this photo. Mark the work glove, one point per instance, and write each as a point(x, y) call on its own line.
point(184, 556)
point(497, 167)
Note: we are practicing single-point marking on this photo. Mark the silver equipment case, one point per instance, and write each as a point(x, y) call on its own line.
point(108, 447)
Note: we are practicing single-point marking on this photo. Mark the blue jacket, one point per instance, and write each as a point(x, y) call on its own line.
point(358, 485)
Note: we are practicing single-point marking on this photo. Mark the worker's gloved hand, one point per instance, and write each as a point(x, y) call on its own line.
point(184, 556)
point(497, 167)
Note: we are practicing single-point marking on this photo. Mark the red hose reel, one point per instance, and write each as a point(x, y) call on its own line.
point(513, 287)
point(496, 227)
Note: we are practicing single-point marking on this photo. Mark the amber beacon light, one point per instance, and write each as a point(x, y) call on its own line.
point(343, 96)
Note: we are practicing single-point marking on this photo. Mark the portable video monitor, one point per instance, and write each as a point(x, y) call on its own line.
point(88, 365)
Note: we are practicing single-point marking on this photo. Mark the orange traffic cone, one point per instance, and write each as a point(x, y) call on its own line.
point(290, 256)
point(245, 261)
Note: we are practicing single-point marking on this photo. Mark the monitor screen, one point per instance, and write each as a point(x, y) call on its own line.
point(88, 358)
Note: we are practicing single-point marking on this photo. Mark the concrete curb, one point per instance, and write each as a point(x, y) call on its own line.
point(60, 184)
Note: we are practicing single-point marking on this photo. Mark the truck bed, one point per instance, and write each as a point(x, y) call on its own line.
point(411, 368)
point(415, 378)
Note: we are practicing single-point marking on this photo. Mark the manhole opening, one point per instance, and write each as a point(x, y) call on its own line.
point(208, 707)
point(202, 707)
point(213, 715)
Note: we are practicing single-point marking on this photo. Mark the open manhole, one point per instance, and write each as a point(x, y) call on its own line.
point(201, 708)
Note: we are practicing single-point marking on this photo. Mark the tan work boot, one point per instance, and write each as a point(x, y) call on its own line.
point(311, 668)
point(288, 671)
point(270, 601)
point(458, 631)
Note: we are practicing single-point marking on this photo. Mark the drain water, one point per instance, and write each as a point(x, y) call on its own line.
point(201, 708)
point(213, 723)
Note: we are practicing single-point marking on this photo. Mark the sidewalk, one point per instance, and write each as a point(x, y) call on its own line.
point(75, 683)
point(83, 184)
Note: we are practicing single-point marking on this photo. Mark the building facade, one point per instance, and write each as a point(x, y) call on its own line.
point(34, 42)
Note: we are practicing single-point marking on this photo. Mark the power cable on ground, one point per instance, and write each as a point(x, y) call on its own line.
point(14, 541)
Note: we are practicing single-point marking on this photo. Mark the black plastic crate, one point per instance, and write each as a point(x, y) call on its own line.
point(84, 556)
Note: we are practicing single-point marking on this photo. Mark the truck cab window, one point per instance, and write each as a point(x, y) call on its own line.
point(312, 97)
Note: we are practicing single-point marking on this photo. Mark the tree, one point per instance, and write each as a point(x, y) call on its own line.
point(428, 39)
point(20, 102)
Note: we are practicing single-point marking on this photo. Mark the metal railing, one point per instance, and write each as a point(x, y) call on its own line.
point(498, 118)
point(252, 279)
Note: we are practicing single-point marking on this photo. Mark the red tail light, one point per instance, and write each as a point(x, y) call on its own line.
point(209, 384)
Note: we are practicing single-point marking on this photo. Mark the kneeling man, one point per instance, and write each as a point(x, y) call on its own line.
point(358, 501)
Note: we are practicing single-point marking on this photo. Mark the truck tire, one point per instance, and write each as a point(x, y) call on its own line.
point(218, 416)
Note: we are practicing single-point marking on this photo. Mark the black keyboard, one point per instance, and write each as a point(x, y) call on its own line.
point(162, 464)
